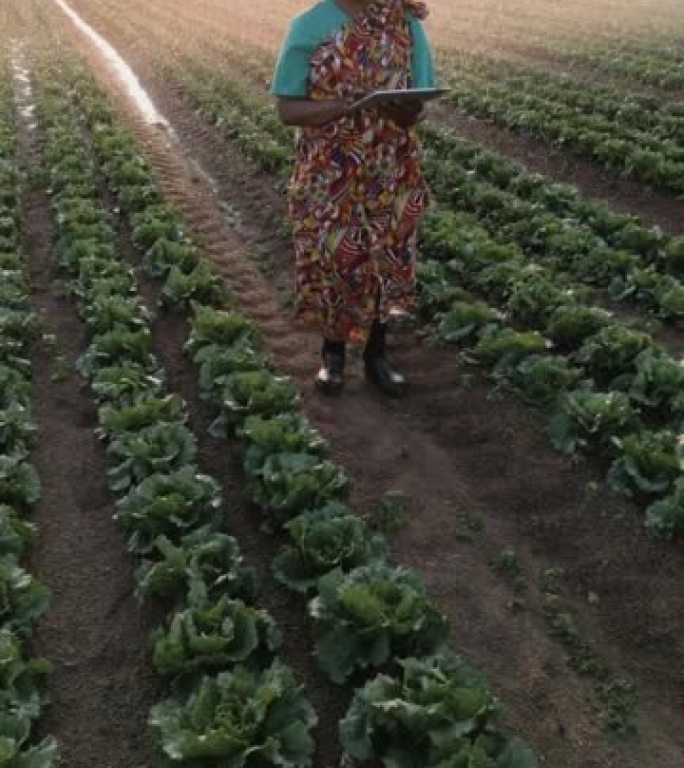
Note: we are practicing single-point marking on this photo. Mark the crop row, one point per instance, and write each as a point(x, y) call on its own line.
point(609, 389)
point(367, 614)
point(630, 150)
point(654, 67)
point(594, 374)
point(553, 226)
point(24, 599)
point(216, 649)
point(662, 119)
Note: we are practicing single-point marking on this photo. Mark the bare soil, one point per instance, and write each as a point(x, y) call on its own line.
point(455, 451)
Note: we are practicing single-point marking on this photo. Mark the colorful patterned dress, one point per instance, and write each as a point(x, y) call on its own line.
point(357, 192)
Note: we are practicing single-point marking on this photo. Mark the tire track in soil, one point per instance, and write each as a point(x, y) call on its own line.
point(454, 450)
point(95, 632)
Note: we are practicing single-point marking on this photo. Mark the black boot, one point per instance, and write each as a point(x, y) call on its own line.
point(330, 378)
point(378, 369)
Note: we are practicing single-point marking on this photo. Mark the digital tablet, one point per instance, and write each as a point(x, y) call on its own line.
point(398, 96)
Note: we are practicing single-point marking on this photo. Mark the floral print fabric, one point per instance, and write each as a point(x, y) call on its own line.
point(357, 191)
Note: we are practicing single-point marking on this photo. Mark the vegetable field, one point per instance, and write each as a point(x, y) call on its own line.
point(204, 563)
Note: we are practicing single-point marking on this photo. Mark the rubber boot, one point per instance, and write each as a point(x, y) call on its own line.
point(378, 369)
point(330, 377)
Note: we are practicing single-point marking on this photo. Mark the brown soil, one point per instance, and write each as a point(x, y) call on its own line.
point(454, 450)
point(95, 634)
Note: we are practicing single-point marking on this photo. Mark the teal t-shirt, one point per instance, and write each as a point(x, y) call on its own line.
point(308, 30)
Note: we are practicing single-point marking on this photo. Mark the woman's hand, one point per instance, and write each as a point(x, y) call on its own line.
point(406, 113)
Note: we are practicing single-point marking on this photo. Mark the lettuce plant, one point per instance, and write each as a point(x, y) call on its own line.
point(659, 382)
point(322, 541)
point(116, 347)
point(19, 481)
point(610, 354)
point(283, 433)
point(215, 327)
point(127, 383)
point(217, 364)
point(21, 703)
point(24, 599)
point(291, 483)
point(436, 712)
point(116, 421)
point(210, 637)
point(246, 718)
point(163, 447)
point(649, 463)
point(371, 616)
point(665, 518)
point(14, 387)
point(166, 254)
point(16, 427)
point(110, 313)
point(542, 378)
point(154, 223)
point(589, 420)
point(168, 504)
point(252, 393)
point(505, 347)
point(571, 324)
point(466, 319)
point(15, 533)
point(205, 565)
point(201, 284)
point(18, 324)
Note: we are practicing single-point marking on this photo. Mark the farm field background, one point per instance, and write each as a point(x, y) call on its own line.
point(524, 506)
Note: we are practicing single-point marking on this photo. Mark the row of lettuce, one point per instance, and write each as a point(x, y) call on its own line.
point(621, 133)
point(659, 66)
point(502, 280)
point(372, 620)
point(24, 599)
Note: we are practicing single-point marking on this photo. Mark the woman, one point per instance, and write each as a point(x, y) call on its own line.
point(357, 191)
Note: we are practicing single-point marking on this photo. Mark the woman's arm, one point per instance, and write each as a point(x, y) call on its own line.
point(304, 113)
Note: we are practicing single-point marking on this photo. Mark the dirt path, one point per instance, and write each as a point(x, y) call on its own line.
point(455, 452)
point(95, 633)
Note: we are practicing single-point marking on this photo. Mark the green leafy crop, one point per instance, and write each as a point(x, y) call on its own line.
point(665, 518)
point(252, 393)
point(240, 719)
point(588, 420)
point(649, 463)
point(322, 541)
point(436, 713)
point(204, 566)
point(213, 637)
point(169, 504)
point(371, 616)
point(291, 483)
point(162, 447)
